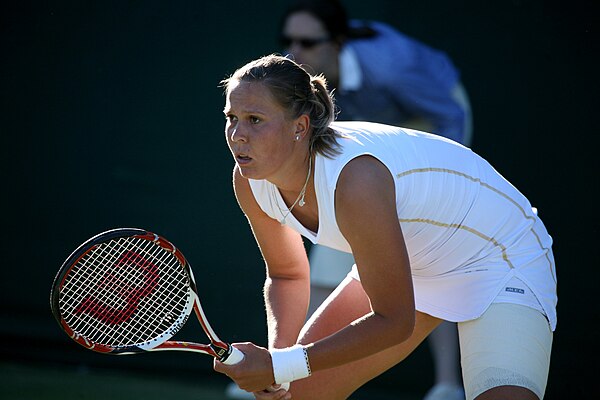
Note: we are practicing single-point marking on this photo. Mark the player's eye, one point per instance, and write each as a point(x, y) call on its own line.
point(254, 120)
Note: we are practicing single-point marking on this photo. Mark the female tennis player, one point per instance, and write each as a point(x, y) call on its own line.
point(436, 233)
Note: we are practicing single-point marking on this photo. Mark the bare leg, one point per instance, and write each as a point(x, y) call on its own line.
point(443, 340)
point(328, 268)
point(347, 303)
point(444, 348)
point(507, 392)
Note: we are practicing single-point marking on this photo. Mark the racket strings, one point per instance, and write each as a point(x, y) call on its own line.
point(158, 313)
point(125, 292)
point(139, 330)
point(92, 282)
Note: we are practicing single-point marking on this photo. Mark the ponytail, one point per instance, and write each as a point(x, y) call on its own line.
point(324, 138)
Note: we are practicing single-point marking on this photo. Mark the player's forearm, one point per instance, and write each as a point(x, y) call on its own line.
point(286, 302)
point(366, 336)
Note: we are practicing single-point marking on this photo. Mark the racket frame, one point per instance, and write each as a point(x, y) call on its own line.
point(217, 348)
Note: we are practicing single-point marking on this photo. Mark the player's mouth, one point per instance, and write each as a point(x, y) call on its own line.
point(242, 159)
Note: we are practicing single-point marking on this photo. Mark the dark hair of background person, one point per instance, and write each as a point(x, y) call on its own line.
point(333, 16)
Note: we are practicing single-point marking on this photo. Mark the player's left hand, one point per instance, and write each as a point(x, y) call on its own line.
point(273, 393)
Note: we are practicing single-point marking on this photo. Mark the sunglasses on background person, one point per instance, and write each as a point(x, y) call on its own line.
point(305, 43)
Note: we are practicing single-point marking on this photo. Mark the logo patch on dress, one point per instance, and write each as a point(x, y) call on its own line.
point(514, 290)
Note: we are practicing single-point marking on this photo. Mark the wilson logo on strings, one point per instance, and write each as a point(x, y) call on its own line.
point(112, 284)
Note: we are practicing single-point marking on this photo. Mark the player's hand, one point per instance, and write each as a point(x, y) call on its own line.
point(254, 373)
point(275, 392)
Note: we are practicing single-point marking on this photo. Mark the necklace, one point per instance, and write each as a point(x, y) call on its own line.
point(300, 199)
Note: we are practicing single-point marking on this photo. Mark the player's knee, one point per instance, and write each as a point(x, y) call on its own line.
point(507, 392)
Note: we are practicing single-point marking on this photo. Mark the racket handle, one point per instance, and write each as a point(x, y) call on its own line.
point(234, 357)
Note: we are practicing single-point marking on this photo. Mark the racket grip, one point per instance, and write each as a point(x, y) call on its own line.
point(234, 357)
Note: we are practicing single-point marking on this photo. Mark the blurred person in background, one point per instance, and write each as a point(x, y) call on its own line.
point(381, 75)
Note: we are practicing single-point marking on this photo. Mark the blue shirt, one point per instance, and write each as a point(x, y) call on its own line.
point(392, 78)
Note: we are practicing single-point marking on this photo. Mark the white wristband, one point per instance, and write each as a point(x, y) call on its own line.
point(290, 364)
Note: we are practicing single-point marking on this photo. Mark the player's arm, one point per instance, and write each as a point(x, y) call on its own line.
point(367, 217)
point(287, 285)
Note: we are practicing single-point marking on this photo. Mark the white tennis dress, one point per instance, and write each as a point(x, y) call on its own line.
point(468, 231)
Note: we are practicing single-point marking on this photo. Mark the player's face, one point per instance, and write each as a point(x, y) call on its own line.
point(305, 37)
point(258, 132)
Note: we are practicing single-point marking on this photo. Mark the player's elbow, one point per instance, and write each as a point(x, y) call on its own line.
point(404, 326)
point(400, 327)
point(408, 328)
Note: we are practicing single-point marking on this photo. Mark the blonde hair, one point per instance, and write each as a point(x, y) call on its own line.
point(298, 92)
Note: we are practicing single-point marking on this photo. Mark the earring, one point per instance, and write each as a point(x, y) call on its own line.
point(297, 137)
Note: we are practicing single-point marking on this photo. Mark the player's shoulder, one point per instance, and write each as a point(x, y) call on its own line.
point(363, 175)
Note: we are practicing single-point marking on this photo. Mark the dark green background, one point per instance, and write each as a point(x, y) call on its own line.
point(111, 117)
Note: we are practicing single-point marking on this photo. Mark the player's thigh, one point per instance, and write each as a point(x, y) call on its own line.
point(346, 304)
point(505, 353)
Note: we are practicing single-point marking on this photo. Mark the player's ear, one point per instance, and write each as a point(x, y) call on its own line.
point(301, 126)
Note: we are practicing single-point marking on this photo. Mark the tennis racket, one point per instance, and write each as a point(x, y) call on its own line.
point(128, 291)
